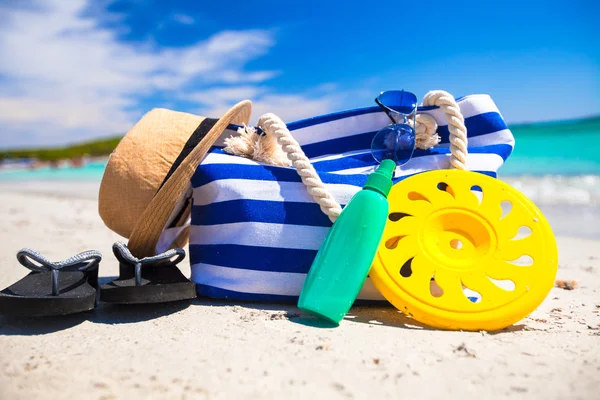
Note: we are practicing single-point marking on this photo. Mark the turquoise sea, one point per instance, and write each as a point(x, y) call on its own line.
point(565, 148)
point(90, 172)
point(552, 163)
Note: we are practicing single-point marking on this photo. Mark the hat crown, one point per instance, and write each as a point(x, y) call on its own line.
point(139, 164)
point(137, 168)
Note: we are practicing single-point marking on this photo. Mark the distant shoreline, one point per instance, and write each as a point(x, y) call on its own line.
point(34, 165)
point(54, 157)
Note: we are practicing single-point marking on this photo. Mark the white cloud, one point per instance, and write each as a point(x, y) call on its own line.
point(183, 19)
point(314, 101)
point(288, 107)
point(255, 77)
point(220, 95)
point(293, 107)
point(64, 78)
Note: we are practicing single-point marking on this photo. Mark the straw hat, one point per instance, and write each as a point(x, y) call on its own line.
point(145, 191)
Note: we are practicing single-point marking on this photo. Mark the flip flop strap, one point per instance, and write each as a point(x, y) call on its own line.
point(85, 261)
point(123, 254)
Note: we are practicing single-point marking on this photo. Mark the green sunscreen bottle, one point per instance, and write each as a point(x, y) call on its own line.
point(345, 256)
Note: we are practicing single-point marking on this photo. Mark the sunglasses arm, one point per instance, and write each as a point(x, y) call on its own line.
point(388, 111)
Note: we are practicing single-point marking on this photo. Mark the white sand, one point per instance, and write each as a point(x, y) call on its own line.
point(220, 350)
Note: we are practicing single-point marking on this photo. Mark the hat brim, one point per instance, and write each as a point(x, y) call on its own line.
point(146, 234)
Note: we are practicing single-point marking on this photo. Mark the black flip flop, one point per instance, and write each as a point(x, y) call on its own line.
point(148, 280)
point(53, 288)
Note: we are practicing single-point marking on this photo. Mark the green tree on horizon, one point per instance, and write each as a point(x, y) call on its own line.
point(94, 148)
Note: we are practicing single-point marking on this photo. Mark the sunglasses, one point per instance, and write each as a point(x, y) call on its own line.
point(396, 141)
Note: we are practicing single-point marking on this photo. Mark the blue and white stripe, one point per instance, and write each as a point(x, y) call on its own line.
point(255, 230)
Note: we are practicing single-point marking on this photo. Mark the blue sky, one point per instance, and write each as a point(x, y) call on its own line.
point(73, 70)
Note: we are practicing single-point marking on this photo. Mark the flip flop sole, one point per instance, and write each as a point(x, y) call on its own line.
point(19, 306)
point(159, 284)
point(126, 292)
point(32, 296)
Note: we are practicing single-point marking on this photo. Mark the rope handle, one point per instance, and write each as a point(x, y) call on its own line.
point(273, 125)
point(274, 128)
point(456, 126)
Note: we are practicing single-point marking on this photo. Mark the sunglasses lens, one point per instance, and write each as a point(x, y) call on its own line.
point(394, 142)
point(399, 100)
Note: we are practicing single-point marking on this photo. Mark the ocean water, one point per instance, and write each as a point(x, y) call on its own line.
point(555, 163)
point(90, 172)
point(569, 148)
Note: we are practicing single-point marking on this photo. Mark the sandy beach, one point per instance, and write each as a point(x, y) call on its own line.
point(214, 350)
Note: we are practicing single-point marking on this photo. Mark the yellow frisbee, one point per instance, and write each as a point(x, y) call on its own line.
point(462, 250)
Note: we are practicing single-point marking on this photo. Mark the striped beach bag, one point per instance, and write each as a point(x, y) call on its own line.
point(254, 228)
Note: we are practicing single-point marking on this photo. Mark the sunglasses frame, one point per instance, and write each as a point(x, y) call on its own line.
point(390, 112)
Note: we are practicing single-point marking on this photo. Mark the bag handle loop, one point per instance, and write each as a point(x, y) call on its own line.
point(426, 138)
point(456, 126)
point(273, 125)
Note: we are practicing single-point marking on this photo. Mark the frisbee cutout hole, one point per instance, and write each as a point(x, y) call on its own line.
point(505, 284)
point(472, 295)
point(417, 196)
point(444, 187)
point(506, 207)
point(397, 216)
point(523, 261)
point(478, 192)
point(456, 244)
point(406, 270)
point(524, 232)
point(435, 289)
point(393, 242)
